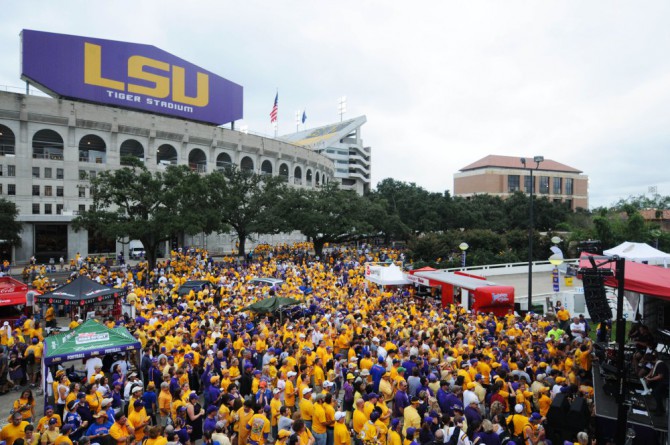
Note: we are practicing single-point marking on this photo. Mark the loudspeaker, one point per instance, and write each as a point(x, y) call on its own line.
point(595, 297)
point(578, 416)
point(557, 414)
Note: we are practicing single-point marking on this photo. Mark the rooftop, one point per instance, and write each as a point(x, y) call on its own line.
point(513, 162)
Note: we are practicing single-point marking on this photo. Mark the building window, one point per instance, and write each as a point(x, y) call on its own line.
point(82, 192)
point(513, 183)
point(82, 208)
point(569, 186)
point(47, 209)
point(527, 185)
point(36, 190)
point(59, 209)
point(11, 189)
point(47, 190)
point(47, 172)
point(11, 170)
point(92, 174)
point(36, 209)
point(59, 173)
point(36, 172)
point(568, 203)
point(0, 189)
point(59, 191)
point(82, 175)
point(558, 186)
point(0, 170)
point(544, 185)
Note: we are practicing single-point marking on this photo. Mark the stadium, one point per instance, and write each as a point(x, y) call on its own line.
point(51, 147)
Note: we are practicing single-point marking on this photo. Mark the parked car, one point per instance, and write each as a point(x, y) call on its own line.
point(195, 286)
point(272, 283)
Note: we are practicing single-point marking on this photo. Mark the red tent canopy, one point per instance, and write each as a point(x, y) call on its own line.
point(641, 278)
point(12, 292)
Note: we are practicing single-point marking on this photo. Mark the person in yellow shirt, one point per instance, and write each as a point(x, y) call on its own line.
point(341, 435)
point(258, 428)
point(411, 416)
point(394, 437)
point(319, 423)
point(544, 402)
point(138, 419)
point(241, 419)
point(14, 430)
point(359, 417)
point(306, 407)
point(120, 431)
point(64, 438)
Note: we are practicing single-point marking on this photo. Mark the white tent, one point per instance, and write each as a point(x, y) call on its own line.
point(385, 275)
point(639, 252)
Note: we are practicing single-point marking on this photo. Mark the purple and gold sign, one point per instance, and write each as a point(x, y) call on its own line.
point(127, 75)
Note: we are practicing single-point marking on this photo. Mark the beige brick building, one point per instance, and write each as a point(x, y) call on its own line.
point(504, 175)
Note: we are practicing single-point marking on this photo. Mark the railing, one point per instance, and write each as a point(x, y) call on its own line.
point(51, 156)
point(221, 166)
point(199, 168)
point(7, 149)
point(512, 268)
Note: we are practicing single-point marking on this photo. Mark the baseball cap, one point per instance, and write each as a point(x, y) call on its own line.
point(306, 391)
point(411, 430)
point(535, 416)
point(518, 408)
point(340, 415)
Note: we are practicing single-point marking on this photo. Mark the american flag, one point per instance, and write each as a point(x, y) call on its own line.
point(273, 113)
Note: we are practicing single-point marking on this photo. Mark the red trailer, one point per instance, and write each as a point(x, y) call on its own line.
point(471, 291)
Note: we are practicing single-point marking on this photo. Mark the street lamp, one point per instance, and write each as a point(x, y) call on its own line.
point(537, 160)
point(464, 249)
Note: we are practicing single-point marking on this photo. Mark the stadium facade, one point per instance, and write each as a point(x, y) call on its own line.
point(51, 147)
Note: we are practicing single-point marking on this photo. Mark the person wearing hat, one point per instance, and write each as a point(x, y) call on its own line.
point(194, 416)
point(209, 424)
point(120, 431)
point(533, 432)
point(64, 437)
point(411, 415)
point(544, 402)
point(74, 418)
point(517, 420)
point(386, 389)
point(409, 436)
point(101, 426)
point(50, 433)
point(341, 435)
point(275, 407)
point(283, 437)
point(290, 390)
point(306, 407)
point(48, 415)
point(138, 419)
point(319, 421)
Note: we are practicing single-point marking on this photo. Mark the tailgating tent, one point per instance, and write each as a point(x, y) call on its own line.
point(639, 252)
point(90, 339)
point(81, 291)
point(385, 275)
point(271, 304)
point(87, 340)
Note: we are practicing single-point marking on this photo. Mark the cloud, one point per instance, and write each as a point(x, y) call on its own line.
point(441, 83)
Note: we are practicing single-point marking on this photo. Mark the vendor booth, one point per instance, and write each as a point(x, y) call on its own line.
point(639, 253)
point(90, 339)
point(471, 291)
point(86, 298)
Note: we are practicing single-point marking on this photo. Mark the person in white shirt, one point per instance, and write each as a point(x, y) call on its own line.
point(577, 329)
point(91, 364)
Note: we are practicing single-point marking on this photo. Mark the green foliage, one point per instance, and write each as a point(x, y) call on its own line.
point(327, 215)
point(151, 207)
point(10, 228)
point(246, 202)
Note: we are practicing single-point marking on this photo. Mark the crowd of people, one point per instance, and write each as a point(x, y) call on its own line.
point(357, 364)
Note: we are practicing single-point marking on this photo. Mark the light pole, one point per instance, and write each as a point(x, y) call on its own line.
point(537, 160)
point(464, 249)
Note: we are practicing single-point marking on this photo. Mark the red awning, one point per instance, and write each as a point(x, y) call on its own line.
point(641, 278)
point(12, 292)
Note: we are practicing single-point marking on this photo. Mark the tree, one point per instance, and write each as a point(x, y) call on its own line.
point(415, 207)
point(327, 215)
point(151, 207)
point(10, 228)
point(246, 202)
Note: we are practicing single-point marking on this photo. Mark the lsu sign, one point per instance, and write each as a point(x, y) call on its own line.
point(128, 75)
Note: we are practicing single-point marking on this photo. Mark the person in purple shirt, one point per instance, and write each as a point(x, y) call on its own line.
point(401, 400)
point(443, 397)
point(472, 414)
point(377, 371)
point(454, 400)
point(210, 421)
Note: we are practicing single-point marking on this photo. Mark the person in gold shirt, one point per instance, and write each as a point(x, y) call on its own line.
point(341, 435)
point(138, 419)
point(306, 407)
point(241, 419)
point(120, 431)
point(14, 430)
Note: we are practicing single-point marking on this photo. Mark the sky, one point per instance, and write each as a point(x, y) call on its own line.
point(442, 83)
